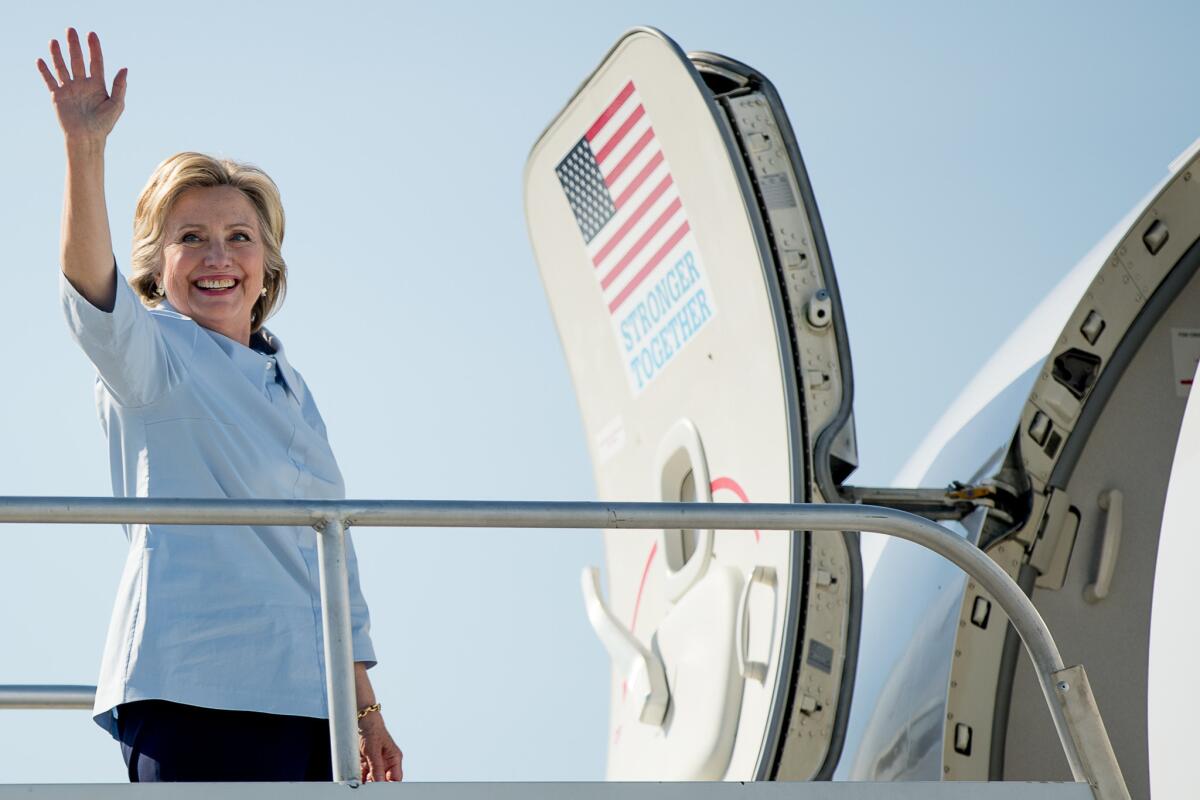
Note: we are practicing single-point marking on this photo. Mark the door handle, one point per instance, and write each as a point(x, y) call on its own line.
point(751, 670)
point(1113, 502)
point(679, 453)
point(642, 671)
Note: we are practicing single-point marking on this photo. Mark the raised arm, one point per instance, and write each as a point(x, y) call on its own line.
point(87, 112)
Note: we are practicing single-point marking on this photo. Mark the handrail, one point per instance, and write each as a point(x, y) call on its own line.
point(1081, 732)
point(47, 696)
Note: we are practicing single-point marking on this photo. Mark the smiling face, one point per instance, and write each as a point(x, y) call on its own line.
point(212, 259)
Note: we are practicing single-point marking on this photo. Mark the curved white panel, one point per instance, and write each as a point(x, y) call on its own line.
point(1173, 695)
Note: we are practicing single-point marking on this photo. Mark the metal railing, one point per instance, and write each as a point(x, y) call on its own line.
point(1068, 695)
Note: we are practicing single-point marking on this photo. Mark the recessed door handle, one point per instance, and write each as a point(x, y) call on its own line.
point(1113, 502)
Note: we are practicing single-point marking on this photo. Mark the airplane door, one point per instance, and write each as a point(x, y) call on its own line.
point(686, 268)
point(1093, 452)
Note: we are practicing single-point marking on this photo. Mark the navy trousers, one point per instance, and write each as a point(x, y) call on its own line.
point(164, 741)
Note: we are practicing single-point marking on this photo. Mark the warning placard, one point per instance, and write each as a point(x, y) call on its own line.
point(1185, 352)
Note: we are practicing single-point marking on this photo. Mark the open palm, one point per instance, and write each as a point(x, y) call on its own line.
point(86, 110)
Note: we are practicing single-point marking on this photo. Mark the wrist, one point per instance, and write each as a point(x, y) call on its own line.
point(370, 718)
point(370, 723)
point(82, 147)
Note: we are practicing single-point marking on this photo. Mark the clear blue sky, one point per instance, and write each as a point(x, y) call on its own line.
point(963, 155)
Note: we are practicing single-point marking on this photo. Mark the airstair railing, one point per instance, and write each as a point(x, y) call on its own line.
point(47, 696)
point(1068, 695)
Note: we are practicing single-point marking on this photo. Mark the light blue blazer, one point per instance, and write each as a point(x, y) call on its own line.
point(220, 617)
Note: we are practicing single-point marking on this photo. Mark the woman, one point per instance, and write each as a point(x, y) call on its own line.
point(213, 666)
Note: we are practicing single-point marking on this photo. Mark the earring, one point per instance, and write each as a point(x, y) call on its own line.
point(159, 290)
point(263, 293)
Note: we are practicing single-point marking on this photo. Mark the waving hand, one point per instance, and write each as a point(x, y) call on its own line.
point(86, 110)
point(87, 113)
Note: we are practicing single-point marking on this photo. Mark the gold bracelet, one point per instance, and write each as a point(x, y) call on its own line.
point(363, 712)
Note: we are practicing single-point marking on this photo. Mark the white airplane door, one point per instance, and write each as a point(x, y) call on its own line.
point(686, 268)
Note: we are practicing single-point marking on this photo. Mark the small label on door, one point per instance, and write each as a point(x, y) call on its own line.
point(610, 440)
point(1185, 352)
point(820, 655)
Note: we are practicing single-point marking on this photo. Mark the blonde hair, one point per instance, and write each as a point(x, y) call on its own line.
point(184, 171)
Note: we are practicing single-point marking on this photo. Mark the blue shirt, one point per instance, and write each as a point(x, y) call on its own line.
point(215, 616)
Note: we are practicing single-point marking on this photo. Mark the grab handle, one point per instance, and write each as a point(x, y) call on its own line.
point(642, 671)
point(751, 670)
point(1113, 502)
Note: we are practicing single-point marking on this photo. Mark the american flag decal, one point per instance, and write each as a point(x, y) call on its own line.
point(637, 236)
point(624, 198)
point(586, 191)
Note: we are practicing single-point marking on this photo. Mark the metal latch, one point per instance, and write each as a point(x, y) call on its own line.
point(1055, 540)
point(953, 502)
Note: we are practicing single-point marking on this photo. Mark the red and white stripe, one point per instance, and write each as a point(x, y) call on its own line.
point(650, 222)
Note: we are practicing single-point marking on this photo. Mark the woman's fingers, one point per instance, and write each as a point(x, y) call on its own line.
point(370, 756)
point(375, 761)
point(86, 109)
point(96, 58)
point(47, 75)
point(379, 757)
point(118, 88)
point(95, 67)
point(393, 761)
point(77, 68)
point(60, 66)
